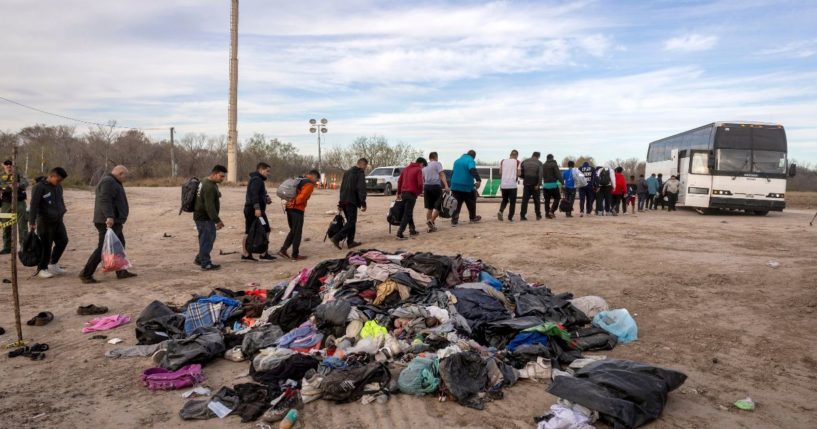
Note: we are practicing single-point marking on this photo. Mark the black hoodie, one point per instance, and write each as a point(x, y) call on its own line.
point(353, 188)
point(46, 203)
point(256, 192)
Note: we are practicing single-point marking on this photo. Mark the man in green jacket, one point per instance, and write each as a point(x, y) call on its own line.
point(6, 180)
point(206, 216)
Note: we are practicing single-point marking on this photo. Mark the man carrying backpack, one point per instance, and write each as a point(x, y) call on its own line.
point(434, 184)
point(671, 189)
point(569, 180)
point(295, 209)
point(352, 197)
point(409, 187)
point(531, 172)
point(642, 190)
point(46, 217)
point(604, 192)
point(551, 176)
point(255, 208)
point(207, 217)
point(652, 191)
point(465, 181)
point(587, 194)
point(659, 199)
point(110, 212)
point(509, 172)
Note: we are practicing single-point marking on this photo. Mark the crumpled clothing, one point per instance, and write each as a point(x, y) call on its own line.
point(292, 368)
point(411, 311)
point(207, 312)
point(590, 305)
point(260, 338)
point(204, 345)
point(564, 416)
point(164, 379)
point(135, 351)
point(387, 288)
point(357, 260)
point(306, 330)
point(372, 329)
point(488, 290)
point(375, 256)
point(551, 329)
point(383, 271)
point(105, 323)
point(198, 409)
point(270, 357)
point(524, 338)
point(254, 400)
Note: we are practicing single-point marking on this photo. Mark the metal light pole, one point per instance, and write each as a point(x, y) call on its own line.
point(232, 134)
point(172, 154)
point(315, 127)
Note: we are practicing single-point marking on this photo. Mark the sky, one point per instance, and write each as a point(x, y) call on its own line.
point(602, 78)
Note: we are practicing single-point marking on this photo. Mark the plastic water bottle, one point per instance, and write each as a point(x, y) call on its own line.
point(289, 420)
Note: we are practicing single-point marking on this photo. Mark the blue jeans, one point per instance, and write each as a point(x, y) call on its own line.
point(207, 237)
point(642, 200)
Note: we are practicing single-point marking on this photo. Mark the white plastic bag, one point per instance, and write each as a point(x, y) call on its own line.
point(113, 254)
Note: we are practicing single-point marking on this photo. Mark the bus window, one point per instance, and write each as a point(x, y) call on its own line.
point(767, 161)
point(734, 137)
point(699, 163)
point(734, 160)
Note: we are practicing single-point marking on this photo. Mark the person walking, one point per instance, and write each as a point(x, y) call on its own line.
point(604, 192)
point(587, 194)
point(46, 217)
point(206, 216)
point(568, 178)
point(619, 191)
point(652, 191)
point(352, 197)
point(409, 187)
point(434, 184)
point(671, 189)
point(110, 212)
point(509, 173)
point(465, 181)
point(629, 199)
point(642, 190)
point(255, 207)
point(7, 206)
point(531, 172)
point(660, 197)
point(551, 176)
point(295, 210)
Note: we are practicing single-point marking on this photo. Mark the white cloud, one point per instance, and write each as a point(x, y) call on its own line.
point(796, 49)
point(691, 43)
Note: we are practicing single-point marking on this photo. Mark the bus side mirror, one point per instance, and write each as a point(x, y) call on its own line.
point(710, 163)
point(792, 170)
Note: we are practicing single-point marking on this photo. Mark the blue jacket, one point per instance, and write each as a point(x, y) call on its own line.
point(567, 179)
point(464, 172)
point(652, 185)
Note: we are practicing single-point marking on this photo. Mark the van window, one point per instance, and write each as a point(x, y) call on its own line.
point(397, 172)
point(381, 172)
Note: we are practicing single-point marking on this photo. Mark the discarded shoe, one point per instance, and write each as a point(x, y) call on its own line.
point(41, 319)
point(91, 309)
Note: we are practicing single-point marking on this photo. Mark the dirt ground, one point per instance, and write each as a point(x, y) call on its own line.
point(706, 304)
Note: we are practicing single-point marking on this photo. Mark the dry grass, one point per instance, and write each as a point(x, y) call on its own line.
point(801, 200)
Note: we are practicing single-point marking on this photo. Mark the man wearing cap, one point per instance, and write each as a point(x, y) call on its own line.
point(6, 180)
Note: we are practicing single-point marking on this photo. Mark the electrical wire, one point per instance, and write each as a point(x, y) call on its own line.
point(78, 120)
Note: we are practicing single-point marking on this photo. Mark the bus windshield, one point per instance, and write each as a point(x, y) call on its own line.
point(768, 161)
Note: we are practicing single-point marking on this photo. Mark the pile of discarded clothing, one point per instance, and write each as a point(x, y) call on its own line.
point(374, 324)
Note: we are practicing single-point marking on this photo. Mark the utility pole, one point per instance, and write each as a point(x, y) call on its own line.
point(172, 154)
point(232, 117)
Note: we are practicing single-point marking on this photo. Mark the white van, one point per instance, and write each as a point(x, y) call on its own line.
point(383, 179)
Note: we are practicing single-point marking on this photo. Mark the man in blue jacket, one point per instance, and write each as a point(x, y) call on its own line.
point(652, 189)
point(465, 181)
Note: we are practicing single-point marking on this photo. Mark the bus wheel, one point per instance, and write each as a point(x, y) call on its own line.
point(387, 191)
point(761, 212)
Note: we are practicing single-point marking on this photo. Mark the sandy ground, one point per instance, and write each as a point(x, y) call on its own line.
point(706, 304)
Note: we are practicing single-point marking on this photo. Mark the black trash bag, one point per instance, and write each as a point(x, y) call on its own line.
point(541, 302)
point(31, 252)
point(295, 312)
point(260, 338)
point(528, 353)
point(158, 323)
point(593, 339)
point(332, 314)
point(477, 307)
point(499, 333)
point(349, 385)
point(434, 266)
point(202, 346)
point(257, 239)
point(465, 375)
point(197, 409)
point(254, 400)
point(291, 368)
point(626, 394)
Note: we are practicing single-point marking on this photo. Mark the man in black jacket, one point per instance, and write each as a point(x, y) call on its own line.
point(110, 211)
point(6, 181)
point(255, 207)
point(551, 176)
point(531, 170)
point(46, 217)
point(352, 197)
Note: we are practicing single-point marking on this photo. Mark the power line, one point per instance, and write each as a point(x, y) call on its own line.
point(79, 120)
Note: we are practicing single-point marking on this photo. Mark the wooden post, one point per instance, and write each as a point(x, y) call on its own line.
point(15, 182)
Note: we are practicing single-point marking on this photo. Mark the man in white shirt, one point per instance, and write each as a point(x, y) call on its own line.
point(509, 172)
point(434, 183)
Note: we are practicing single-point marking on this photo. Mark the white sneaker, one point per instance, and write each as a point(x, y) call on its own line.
point(55, 269)
point(44, 274)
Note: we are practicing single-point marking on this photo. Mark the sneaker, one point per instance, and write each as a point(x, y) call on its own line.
point(267, 257)
point(499, 216)
point(88, 280)
point(298, 258)
point(431, 227)
point(568, 215)
point(414, 233)
point(124, 274)
point(55, 269)
point(523, 219)
point(539, 217)
point(581, 214)
point(89, 310)
point(44, 274)
point(476, 219)
point(211, 267)
point(283, 254)
point(401, 237)
point(354, 244)
point(336, 243)
point(248, 258)
point(197, 261)
point(454, 222)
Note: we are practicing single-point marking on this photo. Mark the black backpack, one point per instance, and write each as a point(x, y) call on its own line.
point(395, 216)
point(189, 191)
point(257, 240)
point(564, 206)
point(31, 253)
point(335, 226)
point(604, 178)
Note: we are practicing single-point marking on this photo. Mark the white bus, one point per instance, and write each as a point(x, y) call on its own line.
point(726, 165)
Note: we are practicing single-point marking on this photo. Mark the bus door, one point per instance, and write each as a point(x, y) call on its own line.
point(698, 185)
point(683, 175)
point(675, 164)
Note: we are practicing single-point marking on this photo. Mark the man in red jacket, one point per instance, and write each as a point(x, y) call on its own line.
point(620, 191)
point(409, 187)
